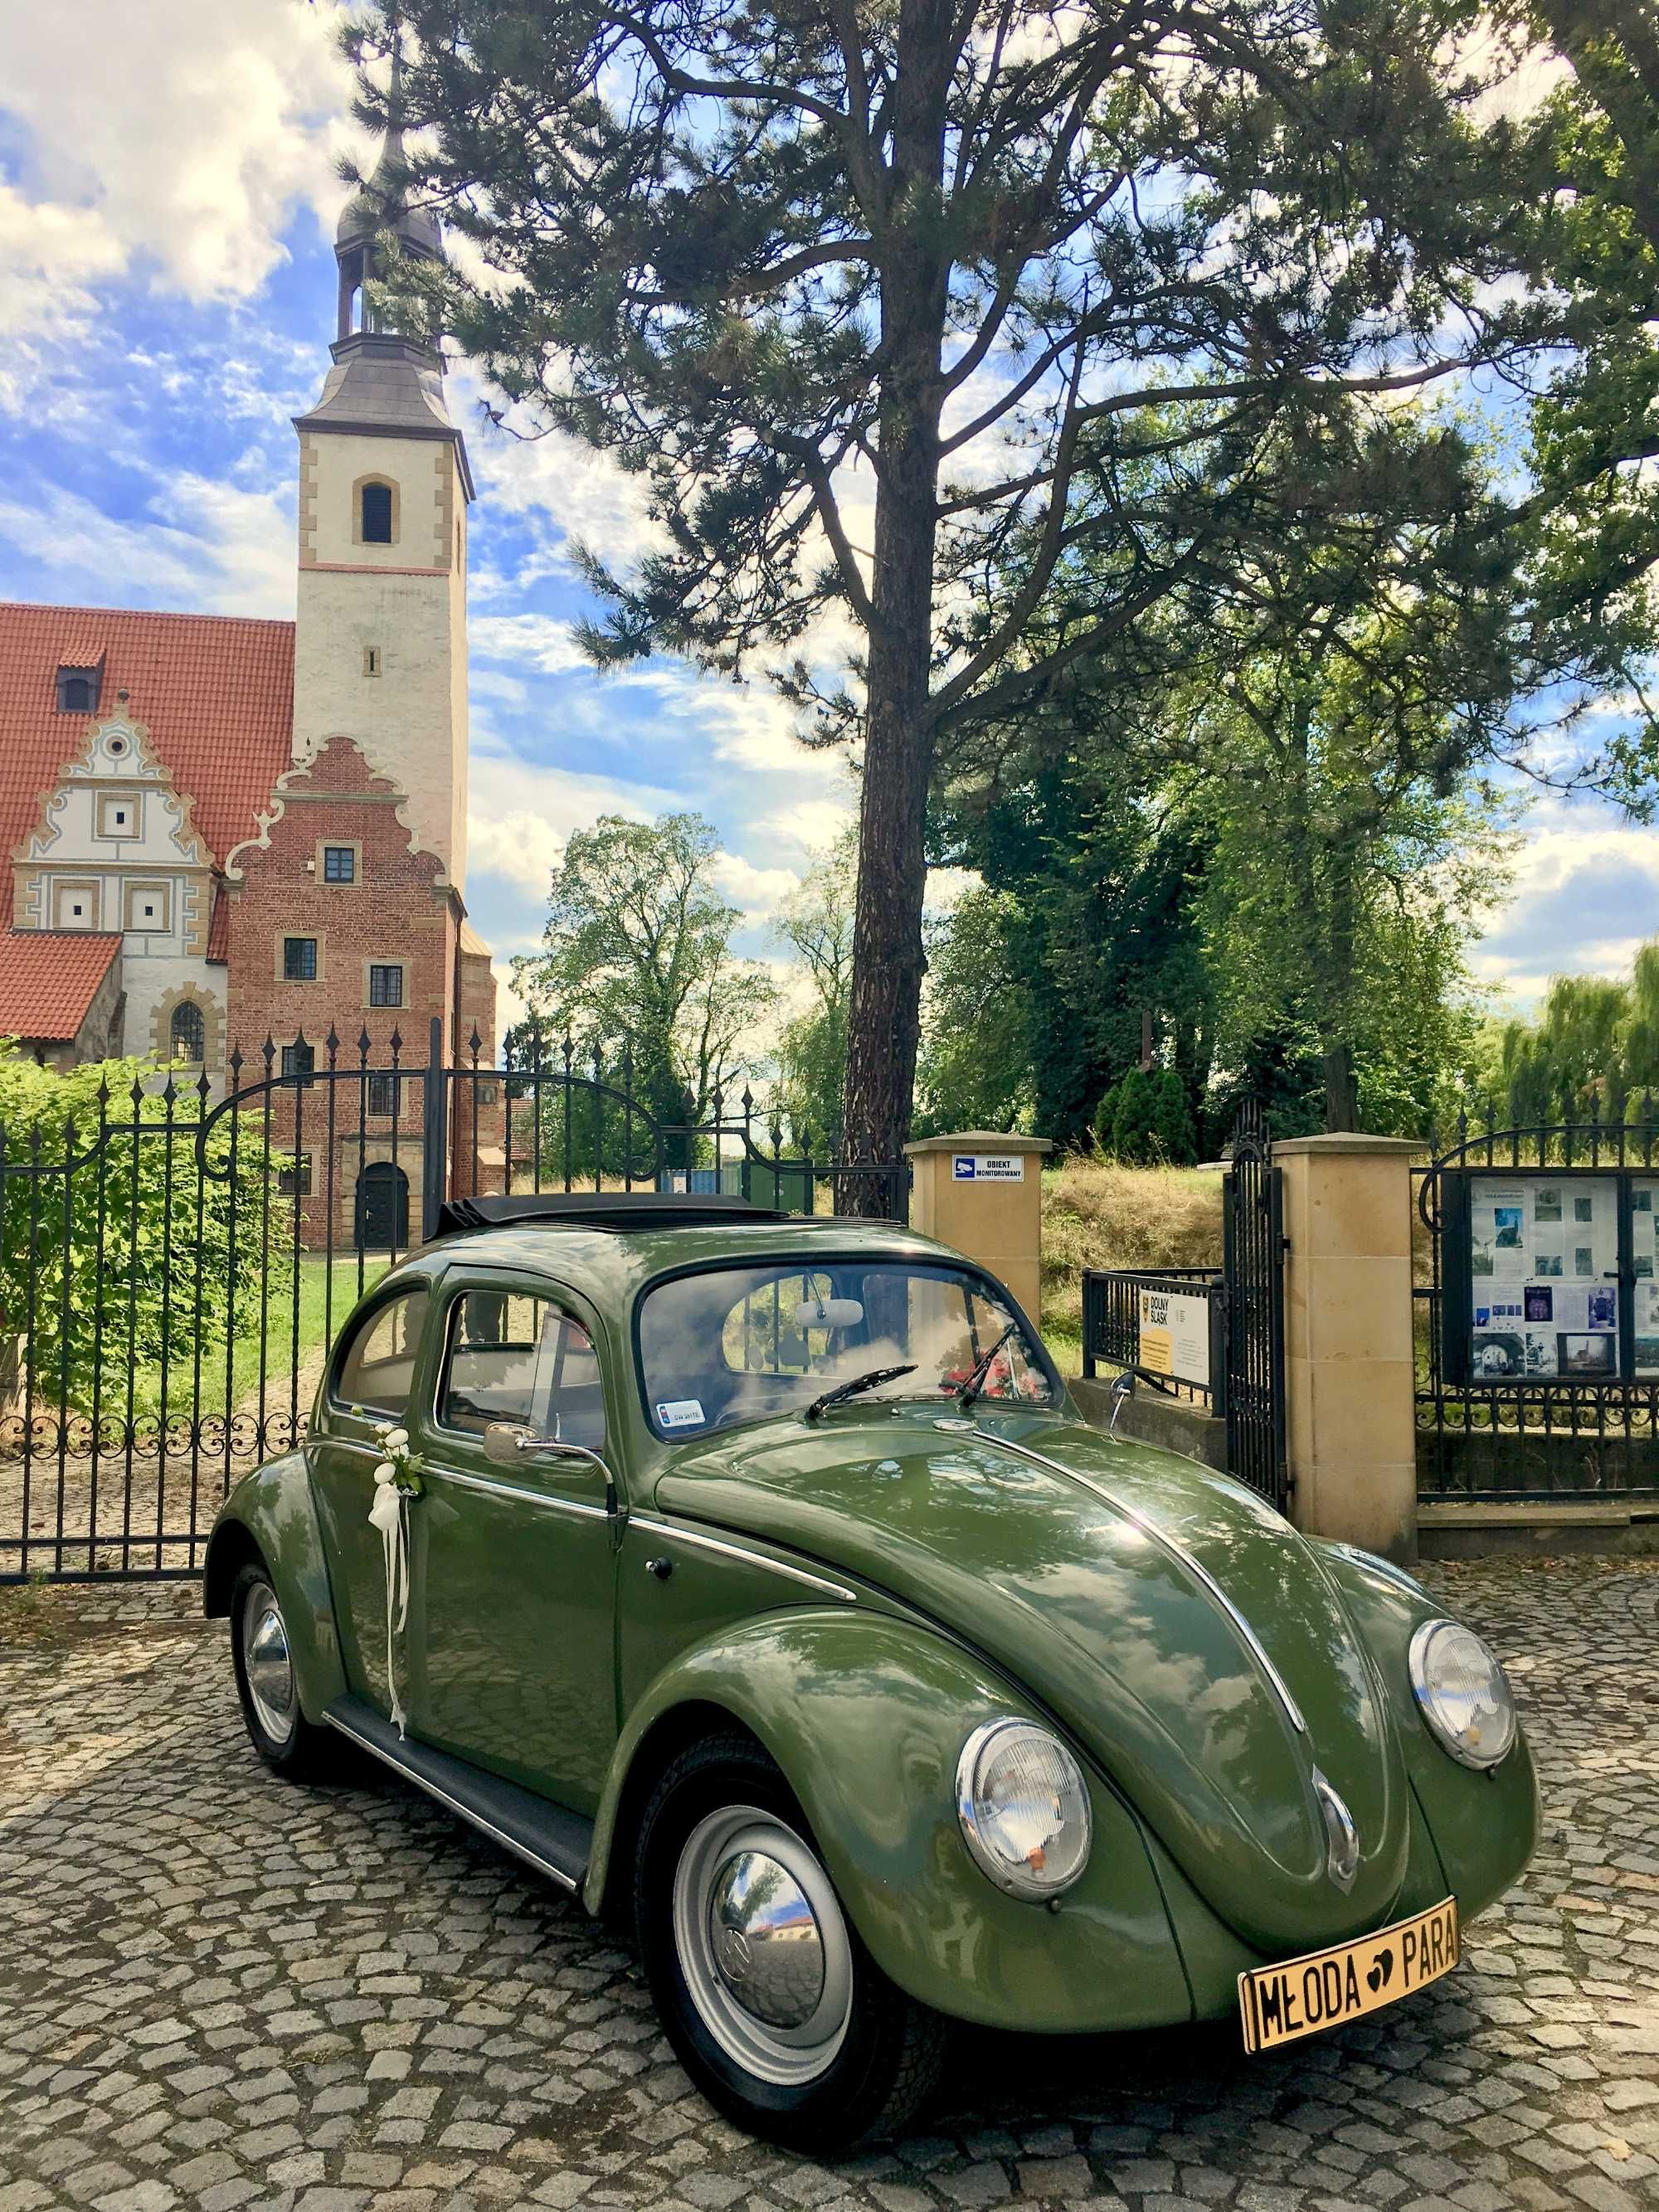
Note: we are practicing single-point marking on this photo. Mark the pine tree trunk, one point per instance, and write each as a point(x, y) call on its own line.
point(884, 1020)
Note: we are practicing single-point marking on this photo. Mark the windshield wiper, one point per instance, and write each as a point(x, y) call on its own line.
point(974, 1381)
point(859, 1383)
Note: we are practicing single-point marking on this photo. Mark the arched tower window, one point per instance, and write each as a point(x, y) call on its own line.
point(376, 514)
point(187, 1033)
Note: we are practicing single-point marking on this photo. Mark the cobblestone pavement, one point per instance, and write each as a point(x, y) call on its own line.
point(218, 1991)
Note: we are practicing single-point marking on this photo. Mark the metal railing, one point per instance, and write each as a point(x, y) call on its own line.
point(1111, 1327)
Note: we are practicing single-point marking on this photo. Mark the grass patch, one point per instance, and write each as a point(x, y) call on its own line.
point(1096, 1214)
point(318, 1317)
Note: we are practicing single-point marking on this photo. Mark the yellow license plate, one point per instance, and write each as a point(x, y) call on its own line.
point(1303, 1997)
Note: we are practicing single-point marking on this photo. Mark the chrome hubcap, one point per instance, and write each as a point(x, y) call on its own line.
point(268, 1664)
point(762, 1945)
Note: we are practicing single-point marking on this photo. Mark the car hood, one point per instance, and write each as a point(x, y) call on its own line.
point(1185, 1633)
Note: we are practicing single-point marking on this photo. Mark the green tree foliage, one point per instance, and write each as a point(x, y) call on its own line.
point(1593, 1043)
point(959, 262)
point(638, 948)
point(1135, 1119)
point(1586, 524)
point(136, 1253)
point(975, 1065)
point(1100, 922)
point(816, 924)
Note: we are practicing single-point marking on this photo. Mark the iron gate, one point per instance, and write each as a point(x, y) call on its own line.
point(174, 1265)
point(1242, 1384)
point(1253, 1265)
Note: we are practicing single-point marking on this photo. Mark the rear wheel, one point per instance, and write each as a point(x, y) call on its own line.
point(265, 1680)
point(774, 2006)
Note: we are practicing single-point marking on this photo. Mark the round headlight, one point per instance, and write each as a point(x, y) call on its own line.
point(1462, 1691)
point(1024, 1809)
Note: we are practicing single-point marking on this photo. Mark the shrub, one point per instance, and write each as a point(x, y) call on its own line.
point(127, 1254)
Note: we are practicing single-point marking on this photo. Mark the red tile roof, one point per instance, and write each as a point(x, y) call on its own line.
point(216, 692)
point(50, 977)
point(218, 951)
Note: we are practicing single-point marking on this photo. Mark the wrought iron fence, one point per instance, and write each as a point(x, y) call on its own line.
point(1537, 1340)
point(174, 1264)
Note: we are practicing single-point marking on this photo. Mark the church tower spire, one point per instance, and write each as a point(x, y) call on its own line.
point(380, 641)
point(381, 207)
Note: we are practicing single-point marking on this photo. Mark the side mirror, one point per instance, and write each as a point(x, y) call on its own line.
point(1123, 1388)
point(502, 1440)
point(509, 1442)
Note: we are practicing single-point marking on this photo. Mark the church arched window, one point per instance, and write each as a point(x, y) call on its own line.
point(376, 514)
point(187, 1033)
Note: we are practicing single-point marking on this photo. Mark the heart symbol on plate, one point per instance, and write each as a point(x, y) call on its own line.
point(1382, 1972)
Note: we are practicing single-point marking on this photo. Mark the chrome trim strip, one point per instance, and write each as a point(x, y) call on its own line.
point(512, 1490)
point(571, 1882)
point(655, 1528)
point(1178, 1551)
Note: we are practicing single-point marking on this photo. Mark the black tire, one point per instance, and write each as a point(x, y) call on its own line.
point(287, 1741)
point(890, 2050)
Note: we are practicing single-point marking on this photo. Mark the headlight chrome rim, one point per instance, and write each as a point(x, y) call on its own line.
point(1013, 1879)
point(1428, 1696)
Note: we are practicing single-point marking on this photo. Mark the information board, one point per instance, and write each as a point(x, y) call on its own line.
point(1544, 1277)
point(1644, 1262)
point(1175, 1336)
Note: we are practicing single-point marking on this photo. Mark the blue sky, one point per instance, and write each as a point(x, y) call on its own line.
point(167, 205)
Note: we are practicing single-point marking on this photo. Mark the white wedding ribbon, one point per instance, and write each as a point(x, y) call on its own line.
point(388, 1514)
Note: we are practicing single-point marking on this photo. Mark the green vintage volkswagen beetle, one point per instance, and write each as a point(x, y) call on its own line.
point(754, 1578)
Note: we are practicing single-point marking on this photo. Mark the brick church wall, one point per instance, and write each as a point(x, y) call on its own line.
point(399, 911)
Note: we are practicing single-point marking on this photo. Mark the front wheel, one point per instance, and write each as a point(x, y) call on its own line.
point(265, 1683)
point(774, 2006)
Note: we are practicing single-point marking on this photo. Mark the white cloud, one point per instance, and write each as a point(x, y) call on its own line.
point(170, 137)
point(537, 641)
point(518, 815)
point(1586, 895)
point(212, 548)
point(756, 891)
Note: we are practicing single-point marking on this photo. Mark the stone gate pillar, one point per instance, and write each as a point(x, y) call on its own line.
point(1349, 1374)
point(982, 1193)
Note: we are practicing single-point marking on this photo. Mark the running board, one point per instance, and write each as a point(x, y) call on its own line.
point(555, 1841)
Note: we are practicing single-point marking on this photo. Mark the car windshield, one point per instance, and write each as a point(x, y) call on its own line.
point(732, 1344)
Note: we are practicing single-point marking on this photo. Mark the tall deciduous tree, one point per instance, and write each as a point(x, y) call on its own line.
point(816, 923)
point(954, 260)
point(638, 946)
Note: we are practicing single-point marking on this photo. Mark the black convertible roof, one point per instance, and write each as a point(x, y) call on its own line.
point(614, 1210)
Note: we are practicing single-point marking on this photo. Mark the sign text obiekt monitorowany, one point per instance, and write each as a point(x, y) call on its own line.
point(987, 1167)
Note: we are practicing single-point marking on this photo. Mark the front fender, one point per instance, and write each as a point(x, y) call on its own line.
point(272, 1511)
point(866, 1715)
point(1485, 1825)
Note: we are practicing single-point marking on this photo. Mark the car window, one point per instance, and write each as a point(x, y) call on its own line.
point(377, 1366)
point(523, 1360)
point(731, 1344)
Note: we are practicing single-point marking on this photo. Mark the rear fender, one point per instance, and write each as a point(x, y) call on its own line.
point(271, 1513)
point(866, 1717)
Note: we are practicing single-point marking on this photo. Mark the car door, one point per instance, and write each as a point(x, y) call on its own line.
point(370, 1389)
point(516, 1569)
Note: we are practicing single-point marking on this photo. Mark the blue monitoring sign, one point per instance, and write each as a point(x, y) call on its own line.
point(987, 1167)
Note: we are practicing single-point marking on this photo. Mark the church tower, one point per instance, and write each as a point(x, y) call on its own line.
point(381, 643)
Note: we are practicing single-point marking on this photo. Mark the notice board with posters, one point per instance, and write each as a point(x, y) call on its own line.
point(1549, 1275)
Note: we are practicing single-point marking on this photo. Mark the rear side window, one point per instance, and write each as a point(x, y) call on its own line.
point(524, 1361)
point(377, 1367)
